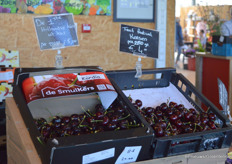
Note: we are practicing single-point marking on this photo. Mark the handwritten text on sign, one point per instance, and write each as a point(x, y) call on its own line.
point(56, 31)
point(139, 41)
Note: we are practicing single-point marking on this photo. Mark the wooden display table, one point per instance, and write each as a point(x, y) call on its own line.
point(210, 67)
point(20, 148)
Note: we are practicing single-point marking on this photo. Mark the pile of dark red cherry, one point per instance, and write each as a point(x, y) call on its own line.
point(116, 117)
point(169, 119)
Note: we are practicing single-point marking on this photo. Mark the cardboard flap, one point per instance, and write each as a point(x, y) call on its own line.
point(49, 95)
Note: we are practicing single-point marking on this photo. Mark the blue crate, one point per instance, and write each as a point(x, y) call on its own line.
point(224, 50)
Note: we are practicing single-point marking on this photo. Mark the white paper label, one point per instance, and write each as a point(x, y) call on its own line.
point(6, 76)
point(221, 39)
point(87, 28)
point(129, 154)
point(90, 77)
point(98, 156)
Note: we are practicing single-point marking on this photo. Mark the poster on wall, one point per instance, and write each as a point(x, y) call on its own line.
point(76, 7)
point(9, 58)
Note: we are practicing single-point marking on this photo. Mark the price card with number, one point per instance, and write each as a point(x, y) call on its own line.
point(129, 154)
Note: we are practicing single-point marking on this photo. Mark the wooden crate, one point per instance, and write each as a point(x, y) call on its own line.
point(21, 150)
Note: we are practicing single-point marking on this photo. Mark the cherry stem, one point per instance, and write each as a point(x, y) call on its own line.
point(207, 110)
point(124, 117)
point(82, 120)
point(90, 112)
point(118, 128)
point(97, 121)
point(108, 111)
point(168, 125)
point(195, 127)
point(168, 100)
point(40, 141)
point(85, 111)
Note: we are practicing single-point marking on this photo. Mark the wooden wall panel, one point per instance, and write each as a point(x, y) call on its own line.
point(100, 47)
point(170, 33)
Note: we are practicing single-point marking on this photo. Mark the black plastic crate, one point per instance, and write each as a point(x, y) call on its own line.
point(191, 142)
point(2, 118)
point(71, 149)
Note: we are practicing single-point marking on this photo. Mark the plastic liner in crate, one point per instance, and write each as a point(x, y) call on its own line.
point(160, 80)
point(102, 147)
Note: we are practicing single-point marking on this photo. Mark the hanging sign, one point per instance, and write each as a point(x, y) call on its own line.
point(56, 31)
point(139, 41)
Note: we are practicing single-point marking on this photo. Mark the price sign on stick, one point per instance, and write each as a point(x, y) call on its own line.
point(223, 95)
point(139, 41)
point(223, 98)
point(56, 31)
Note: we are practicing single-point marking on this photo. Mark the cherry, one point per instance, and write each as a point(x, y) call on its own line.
point(114, 118)
point(173, 118)
point(178, 123)
point(99, 108)
point(47, 127)
point(169, 112)
point(180, 107)
point(45, 132)
point(162, 124)
point(159, 132)
point(172, 104)
point(90, 119)
point(212, 116)
point(74, 123)
point(111, 126)
point(105, 120)
point(193, 111)
point(138, 103)
point(164, 107)
point(211, 125)
point(74, 117)
point(178, 114)
point(195, 117)
point(158, 113)
point(56, 119)
point(40, 121)
point(204, 120)
point(187, 116)
point(159, 119)
point(99, 114)
point(149, 110)
point(65, 119)
point(124, 124)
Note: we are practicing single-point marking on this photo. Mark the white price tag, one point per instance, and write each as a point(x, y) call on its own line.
point(98, 156)
point(221, 39)
point(6, 76)
point(129, 154)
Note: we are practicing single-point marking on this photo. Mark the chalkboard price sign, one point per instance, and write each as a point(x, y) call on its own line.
point(139, 41)
point(56, 31)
